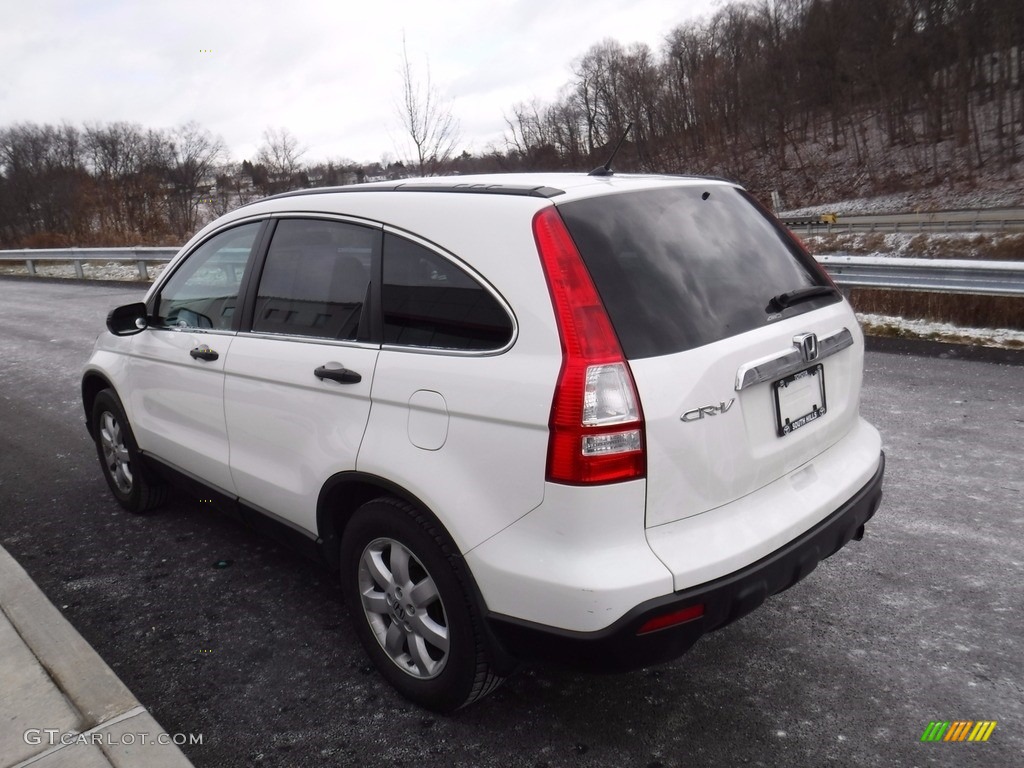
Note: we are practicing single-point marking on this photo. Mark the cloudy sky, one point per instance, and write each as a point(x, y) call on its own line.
point(327, 71)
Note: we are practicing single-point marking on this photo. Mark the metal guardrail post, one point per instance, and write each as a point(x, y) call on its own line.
point(79, 272)
point(143, 271)
point(31, 266)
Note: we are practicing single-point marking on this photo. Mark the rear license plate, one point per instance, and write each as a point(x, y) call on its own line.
point(799, 399)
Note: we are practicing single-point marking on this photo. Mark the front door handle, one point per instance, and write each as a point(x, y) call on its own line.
point(343, 375)
point(203, 352)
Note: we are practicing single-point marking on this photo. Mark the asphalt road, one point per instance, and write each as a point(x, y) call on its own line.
point(922, 621)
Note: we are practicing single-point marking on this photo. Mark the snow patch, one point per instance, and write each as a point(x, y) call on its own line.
point(919, 201)
point(112, 270)
point(886, 325)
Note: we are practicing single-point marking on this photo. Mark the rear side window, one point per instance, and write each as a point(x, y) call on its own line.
point(430, 302)
point(681, 267)
point(316, 280)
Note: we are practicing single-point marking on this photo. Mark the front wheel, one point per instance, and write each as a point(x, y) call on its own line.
point(133, 488)
point(411, 609)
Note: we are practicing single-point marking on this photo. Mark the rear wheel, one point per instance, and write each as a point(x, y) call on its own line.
point(411, 608)
point(133, 488)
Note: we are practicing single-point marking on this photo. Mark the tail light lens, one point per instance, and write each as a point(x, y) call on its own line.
point(609, 396)
point(597, 428)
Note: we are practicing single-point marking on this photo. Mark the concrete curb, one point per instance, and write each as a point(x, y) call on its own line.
point(60, 703)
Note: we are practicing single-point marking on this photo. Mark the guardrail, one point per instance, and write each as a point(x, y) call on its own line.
point(991, 220)
point(140, 255)
point(987, 278)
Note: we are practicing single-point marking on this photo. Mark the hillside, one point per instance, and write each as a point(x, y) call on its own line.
point(888, 178)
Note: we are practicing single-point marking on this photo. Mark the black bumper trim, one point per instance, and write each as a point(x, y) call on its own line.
point(619, 648)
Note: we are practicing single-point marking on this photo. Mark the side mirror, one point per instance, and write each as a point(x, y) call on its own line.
point(127, 320)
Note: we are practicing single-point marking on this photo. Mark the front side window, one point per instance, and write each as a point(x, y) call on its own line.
point(203, 291)
point(316, 280)
point(430, 302)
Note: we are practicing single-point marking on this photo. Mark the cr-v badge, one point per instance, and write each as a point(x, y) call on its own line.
point(707, 410)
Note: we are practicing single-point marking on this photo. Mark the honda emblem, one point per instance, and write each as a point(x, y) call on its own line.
point(807, 343)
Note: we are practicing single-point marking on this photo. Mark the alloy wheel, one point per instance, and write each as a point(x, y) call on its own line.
point(403, 607)
point(115, 452)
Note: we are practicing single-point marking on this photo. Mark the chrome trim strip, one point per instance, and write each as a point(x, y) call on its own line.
point(448, 352)
point(789, 361)
point(298, 337)
point(190, 329)
point(344, 218)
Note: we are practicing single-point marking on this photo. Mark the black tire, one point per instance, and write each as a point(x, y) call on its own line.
point(404, 586)
point(133, 487)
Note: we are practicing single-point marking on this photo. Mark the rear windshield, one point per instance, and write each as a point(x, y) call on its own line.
point(681, 267)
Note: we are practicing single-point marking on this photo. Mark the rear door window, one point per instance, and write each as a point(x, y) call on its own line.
point(681, 267)
point(316, 280)
point(431, 302)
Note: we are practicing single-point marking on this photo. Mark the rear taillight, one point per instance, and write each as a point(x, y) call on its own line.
point(597, 428)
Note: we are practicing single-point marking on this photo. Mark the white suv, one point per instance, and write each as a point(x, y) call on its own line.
point(574, 417)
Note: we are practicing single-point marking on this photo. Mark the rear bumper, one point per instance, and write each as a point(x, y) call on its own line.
point(618, 647)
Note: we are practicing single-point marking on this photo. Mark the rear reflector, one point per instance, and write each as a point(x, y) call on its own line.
point(672, 619)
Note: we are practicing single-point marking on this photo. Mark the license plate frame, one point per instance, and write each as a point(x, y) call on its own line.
point(799, 399)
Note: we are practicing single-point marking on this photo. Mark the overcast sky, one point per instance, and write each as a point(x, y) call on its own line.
point(327, 71)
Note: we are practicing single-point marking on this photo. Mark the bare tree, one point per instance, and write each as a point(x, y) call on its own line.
point(129, 164)
point(428, 121)
point(527, 141)
point(231, 189)
point(44, 188)
point(280, 153)
point(194, 155)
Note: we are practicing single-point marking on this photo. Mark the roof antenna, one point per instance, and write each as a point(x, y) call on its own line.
point(606, 169)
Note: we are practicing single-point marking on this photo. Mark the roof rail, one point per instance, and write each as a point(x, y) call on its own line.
point(523, 190)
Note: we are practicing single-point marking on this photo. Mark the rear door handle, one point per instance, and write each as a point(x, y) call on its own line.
point(343, 375)
point(203, 352)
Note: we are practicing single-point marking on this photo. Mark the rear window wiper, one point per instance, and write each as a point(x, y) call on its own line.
point(788, 299)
